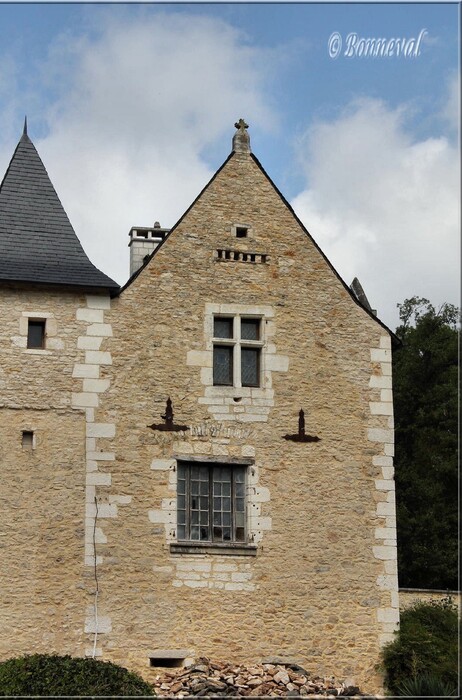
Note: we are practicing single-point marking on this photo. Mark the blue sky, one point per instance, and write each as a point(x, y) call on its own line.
point(132, 109)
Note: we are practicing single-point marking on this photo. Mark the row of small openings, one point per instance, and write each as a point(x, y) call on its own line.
point(239, 256)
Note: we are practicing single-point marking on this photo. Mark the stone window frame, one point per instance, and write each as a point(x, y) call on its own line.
point(49, 335)
point(266, 316)
point(187, 467)
point(244, 548)
point(237, 343)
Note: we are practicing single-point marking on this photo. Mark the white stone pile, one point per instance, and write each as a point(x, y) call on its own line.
point(206, 678)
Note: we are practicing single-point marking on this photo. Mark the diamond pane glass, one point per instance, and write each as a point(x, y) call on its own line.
point(250, 366)
point(222, 365)
point(222, 327)
point(250, 329)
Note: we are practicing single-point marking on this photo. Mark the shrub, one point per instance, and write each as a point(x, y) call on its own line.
point(43, 674)
point(426, 643)
point(426, 685)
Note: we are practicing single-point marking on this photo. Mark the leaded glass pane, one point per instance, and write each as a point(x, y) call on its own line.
point(250, 329)
point(222, 365)
point(250, 366)
point(222, 327)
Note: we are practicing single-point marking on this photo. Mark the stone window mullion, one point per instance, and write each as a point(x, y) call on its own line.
point(237, 351)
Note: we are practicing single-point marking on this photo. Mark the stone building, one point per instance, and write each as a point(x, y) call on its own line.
point(199, 463)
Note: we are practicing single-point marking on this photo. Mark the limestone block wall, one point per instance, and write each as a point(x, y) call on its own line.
point(41, 526)
point(50, 393)
point(317, 584)
point(315, 581)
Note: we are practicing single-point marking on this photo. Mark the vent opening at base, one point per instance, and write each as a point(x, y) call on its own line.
point(156, 662)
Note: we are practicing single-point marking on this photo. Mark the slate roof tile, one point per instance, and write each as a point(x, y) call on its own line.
point(37, 241)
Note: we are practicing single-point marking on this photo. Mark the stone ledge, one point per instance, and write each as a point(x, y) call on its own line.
point(235, 550)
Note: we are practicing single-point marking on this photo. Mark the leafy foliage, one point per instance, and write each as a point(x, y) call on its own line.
point(425, 379)
point(427, 643)
point(426, 685)
point(43, 674)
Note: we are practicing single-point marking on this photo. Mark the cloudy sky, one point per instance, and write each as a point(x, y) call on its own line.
point(132, 107)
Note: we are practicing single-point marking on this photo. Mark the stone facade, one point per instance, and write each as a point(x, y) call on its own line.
point(97, 548)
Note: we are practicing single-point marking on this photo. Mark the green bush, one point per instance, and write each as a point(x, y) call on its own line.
point(43, 674)
point(426, 685)
point(427, 643)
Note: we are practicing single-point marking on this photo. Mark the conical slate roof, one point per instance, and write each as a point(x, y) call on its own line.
point(37, 241)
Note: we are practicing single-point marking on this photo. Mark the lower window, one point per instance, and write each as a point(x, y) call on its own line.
point(211, 502)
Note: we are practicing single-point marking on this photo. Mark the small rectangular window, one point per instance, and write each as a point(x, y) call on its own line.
point(27, 439)
point(241, 231)
point(36, 334)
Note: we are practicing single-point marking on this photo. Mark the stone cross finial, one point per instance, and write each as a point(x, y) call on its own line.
point(241, 124)
point(241, 139)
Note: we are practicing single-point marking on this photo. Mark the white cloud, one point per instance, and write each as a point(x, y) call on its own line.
point(382, 206)
point(137, 106)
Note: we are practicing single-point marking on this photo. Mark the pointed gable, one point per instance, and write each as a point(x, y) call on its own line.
point(37, 241)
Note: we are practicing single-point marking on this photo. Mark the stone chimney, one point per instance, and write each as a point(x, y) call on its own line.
point(143, 241)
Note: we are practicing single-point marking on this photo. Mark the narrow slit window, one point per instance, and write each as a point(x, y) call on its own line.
point(36, 334)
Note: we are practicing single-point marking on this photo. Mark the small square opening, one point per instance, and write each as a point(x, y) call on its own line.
point(241, 231)
point(27, 440)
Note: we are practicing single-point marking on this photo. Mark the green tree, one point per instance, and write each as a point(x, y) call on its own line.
point(425, 384)
point(424, 655)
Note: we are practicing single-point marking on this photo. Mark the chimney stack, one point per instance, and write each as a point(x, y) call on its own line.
point(143, 241)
